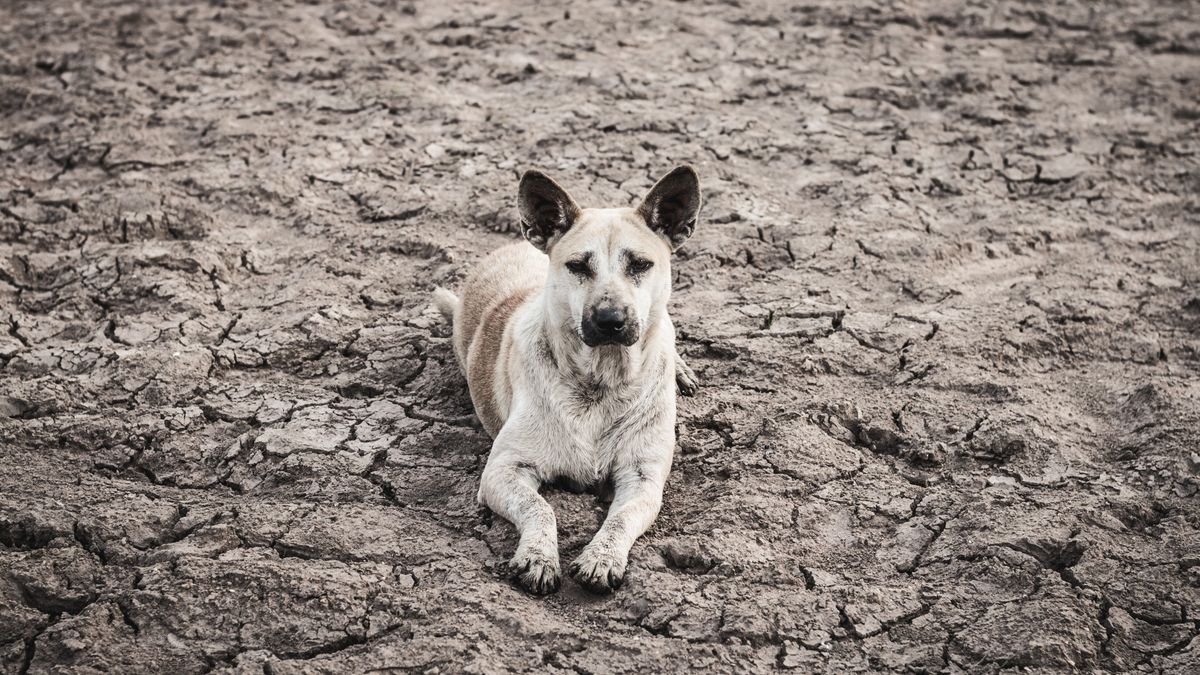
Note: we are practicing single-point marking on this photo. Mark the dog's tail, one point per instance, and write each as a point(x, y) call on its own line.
point(446, 302)
point(449, 304)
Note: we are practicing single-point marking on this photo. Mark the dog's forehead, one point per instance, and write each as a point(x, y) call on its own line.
point(610, 230)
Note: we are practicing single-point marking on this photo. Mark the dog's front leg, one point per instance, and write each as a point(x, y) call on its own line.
point(636, 500)
point(510, 489)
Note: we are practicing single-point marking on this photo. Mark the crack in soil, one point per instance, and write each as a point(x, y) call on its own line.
point(973, 276)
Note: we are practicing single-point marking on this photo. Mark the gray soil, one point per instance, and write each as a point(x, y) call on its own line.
point(943, 301)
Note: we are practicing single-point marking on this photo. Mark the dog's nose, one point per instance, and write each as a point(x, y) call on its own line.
point(610, 320)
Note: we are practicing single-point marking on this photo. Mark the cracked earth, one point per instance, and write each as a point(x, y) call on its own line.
point(943, 301)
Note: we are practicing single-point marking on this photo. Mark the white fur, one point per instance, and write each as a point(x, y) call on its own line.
point(561, 409)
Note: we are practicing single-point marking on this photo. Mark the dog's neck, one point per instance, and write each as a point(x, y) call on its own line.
point(606, 368)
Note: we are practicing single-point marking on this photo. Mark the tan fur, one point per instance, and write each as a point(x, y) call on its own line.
point(506, 270)
point(486, 360)
point(496, 287)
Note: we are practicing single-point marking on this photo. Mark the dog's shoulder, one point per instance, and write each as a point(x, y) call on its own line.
point(504, 272)
point(488, 357)
point(496, 289)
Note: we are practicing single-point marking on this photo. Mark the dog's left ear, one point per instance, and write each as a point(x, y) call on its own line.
point(673, 204)
point(547, 211)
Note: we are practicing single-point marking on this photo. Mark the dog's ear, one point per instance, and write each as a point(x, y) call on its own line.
point(547, 211)
point(673, 204)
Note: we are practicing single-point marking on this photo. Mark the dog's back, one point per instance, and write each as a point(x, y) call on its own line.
point(496, 287)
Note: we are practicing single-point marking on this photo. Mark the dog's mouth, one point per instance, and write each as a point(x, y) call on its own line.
point(593, 336)
point(603, 342)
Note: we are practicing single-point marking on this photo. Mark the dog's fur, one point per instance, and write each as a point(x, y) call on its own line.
point(570, 358)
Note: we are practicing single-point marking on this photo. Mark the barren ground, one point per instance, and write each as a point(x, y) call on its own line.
point(943, 301)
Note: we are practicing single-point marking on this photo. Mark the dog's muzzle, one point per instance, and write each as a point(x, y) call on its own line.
point(609, 326)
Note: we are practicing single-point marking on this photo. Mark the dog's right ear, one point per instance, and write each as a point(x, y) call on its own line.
point(547, 211)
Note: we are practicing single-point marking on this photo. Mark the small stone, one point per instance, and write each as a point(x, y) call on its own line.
point(12, 407)
point(1161, 281)
point(1064, 168)
point(74, 644)
point(793, 656)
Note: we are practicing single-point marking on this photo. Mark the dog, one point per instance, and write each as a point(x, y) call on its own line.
point(570, 358)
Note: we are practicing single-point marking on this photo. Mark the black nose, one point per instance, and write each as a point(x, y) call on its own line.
point(609, 320)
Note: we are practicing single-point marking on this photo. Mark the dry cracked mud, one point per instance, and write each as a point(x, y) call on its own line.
point(943, 301)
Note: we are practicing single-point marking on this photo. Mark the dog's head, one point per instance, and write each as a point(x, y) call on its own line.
point(610, 269)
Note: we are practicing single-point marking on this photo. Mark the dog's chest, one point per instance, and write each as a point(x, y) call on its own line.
point(584, 423)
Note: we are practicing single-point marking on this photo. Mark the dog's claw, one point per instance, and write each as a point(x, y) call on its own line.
point(598, 572)
point(535, 574)
point(615, 580)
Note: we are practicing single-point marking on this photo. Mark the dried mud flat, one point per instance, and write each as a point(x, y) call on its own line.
point(943, 301)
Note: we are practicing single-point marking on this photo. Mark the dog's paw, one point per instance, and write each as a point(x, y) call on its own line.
point(688, 383)
point(598, 571)
point(534, 572)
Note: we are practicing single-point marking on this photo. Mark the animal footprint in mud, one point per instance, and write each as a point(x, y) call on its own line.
point(535, 573)
point(598, 571)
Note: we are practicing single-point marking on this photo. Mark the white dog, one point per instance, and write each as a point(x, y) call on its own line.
point(571, 362)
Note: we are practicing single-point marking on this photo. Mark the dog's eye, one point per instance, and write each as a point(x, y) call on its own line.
point(639, 266)
point(579, 268)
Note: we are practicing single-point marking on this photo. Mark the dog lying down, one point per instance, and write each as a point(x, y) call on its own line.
point(570, 358)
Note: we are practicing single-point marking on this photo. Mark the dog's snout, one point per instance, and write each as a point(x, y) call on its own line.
point(610, 320)
point(608, 324)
